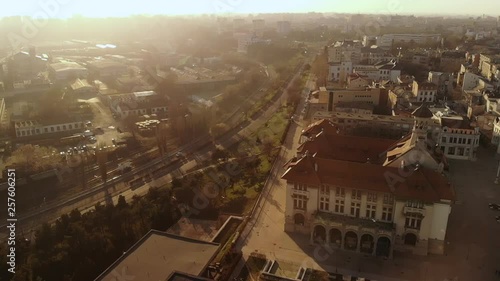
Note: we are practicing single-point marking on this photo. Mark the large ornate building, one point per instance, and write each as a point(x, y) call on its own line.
point(369, 195)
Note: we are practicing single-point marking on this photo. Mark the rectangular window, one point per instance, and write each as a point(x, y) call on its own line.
point(371, 211)
point(451, 150)
point(413, 221)
point(70, 127)
point(388, 199)
point(443, 139)
point(324, 204)
point(371, 197)
point(339, 206)
point(468, 141)
point(46, 130)
point(387, 213)
point(64, 127)
point(300, 186)
point(461, 151)
point(325, 190)
point(299, 202)
point(414, 204)
point(51, 129)
point(340, 192)
point(356, 194)
point(355, 207)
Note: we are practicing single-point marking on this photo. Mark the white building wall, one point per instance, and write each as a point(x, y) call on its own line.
point(439, 221)
point(471, 80)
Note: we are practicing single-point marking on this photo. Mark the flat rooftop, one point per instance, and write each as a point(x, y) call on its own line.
point(158, 255)
point(193, 228)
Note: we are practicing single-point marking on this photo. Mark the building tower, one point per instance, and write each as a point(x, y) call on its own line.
point(422, 125)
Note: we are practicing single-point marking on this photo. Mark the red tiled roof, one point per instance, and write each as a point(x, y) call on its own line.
point(424, 185)
point(344, 147)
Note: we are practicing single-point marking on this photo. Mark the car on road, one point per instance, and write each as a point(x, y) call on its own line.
point(180, 154)
point(92, 139)
point(498, 219)
point(88, 124)
point(494, 206)
point(88, 133)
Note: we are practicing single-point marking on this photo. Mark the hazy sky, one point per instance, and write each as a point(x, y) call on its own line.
point(112, 8)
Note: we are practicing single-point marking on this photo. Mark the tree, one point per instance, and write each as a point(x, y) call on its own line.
point(129, 122)
point(320, 68)
point(161, 138)
point(34, 159)
point(218, 129)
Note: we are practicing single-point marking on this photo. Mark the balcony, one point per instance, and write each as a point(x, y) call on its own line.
point(300, 192)
point(354, 224)
point(411, 210)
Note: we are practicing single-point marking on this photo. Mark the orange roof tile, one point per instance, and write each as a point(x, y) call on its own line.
point(344, 147)
point(424, 185)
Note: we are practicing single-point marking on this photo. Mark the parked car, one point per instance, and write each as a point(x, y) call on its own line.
point(498, 219)
point(88, 133)
point(494, 206)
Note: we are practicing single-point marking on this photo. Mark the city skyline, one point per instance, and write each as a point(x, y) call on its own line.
point(94, 8)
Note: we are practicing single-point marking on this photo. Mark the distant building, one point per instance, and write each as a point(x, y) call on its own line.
point(489, 66)
point(386, 41)
point(67, 71)
point(33, 128)
point(258, 26)
point(373, 55)
point(138, 103)
point(424, 91)
point(284, 27)
point(383, 70)
point(333, 96)
point(345, 51)
point(82, 87)
point(443, 81)
point(107, 68)
point(24, 65)
point(245, 40)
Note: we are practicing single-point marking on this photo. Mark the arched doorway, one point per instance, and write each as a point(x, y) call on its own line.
point(336, 237)
point(367, 243)
point(384, 247)
point(299, 219)
point(319, 234)
point(410, 239)
point(351, 241)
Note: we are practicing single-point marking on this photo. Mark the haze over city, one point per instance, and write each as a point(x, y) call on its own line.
point(96, 8)
point(249, 140)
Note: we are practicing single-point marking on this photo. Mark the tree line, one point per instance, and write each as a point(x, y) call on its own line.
point(78, 247)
